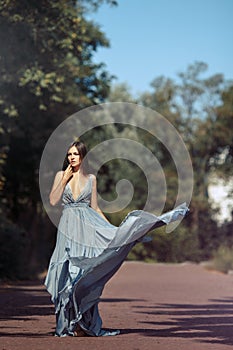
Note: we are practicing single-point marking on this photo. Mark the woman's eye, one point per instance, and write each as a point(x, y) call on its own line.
point(70, 154)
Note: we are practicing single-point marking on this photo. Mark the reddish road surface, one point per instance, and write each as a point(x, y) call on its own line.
point(156, 306)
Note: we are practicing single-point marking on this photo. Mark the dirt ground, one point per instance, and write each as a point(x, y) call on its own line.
point(155, 306)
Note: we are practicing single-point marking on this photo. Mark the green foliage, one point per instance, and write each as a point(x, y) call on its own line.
point(222, 259)
point(177, 246)
point(201, 110)
point(120, 93)
point(14, 243)
point(47, 73)
point(222, 256)
point(49, 54)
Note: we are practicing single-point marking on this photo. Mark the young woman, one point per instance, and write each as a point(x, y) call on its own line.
point(89, 249)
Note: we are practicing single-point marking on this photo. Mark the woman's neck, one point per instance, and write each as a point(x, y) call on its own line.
point(76, 169)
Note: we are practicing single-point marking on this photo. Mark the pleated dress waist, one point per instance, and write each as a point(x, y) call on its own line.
point(75, 205)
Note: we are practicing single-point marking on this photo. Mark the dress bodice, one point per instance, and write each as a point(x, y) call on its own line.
point(84, 197)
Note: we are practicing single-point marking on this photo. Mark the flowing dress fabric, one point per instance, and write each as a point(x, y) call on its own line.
point(88, 252)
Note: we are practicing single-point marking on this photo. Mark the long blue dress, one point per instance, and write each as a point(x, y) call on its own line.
point(88, 252)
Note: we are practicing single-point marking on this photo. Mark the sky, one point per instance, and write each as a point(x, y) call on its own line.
point(150, 38)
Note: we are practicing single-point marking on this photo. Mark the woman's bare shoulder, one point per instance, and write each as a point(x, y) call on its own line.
point(59, 174)
point(92, 177)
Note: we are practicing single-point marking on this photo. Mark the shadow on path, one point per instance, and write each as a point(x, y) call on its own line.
point(18, 301)
point(210, 323)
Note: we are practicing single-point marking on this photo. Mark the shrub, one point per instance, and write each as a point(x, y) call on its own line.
point(223, 259)
point(14, 245)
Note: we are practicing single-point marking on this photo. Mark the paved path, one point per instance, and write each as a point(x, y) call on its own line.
point(156, 306)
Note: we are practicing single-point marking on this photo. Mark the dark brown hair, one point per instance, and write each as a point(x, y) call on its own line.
point(82, 152)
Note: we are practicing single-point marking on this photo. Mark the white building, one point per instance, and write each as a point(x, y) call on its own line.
point(220, 197)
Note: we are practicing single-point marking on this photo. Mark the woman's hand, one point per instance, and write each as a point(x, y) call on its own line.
point(60, 181)
point(68, 173)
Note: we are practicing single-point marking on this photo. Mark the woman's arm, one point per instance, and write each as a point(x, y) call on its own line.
point(94, 202)
point(59, 184)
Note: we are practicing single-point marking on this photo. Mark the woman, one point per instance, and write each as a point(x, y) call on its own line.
point(89, 249)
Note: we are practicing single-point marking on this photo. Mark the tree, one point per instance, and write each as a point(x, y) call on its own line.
point(208, 135)
point(120, 93)
point(47, 73)
point(201, 110)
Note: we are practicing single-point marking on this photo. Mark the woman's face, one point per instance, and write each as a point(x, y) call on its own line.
point(74, 157)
